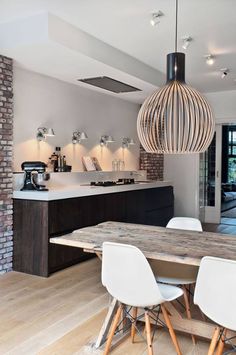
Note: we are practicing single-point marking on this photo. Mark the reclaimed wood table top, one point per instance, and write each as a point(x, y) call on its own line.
point(181, 246)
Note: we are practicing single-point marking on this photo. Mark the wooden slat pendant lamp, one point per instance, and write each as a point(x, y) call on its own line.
point(177, 118)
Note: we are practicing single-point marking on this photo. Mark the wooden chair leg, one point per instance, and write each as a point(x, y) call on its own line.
point(112, 330)
point(148, 331)
point(188, 312)
point(214, 341)
point(171, 330)
point(221, 344)
point(133, 330)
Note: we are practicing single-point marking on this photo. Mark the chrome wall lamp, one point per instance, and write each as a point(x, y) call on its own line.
point(78, 136)
point(43, 132)
point(105, 139)
point(126, 142)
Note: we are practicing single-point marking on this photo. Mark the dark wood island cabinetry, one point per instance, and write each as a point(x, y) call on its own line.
point(36, 221)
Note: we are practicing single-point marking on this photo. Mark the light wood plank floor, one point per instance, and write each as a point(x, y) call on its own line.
point(62, 314)
point(35, 311)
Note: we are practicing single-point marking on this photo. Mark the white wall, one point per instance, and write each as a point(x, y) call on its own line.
point(223, 105)
point(43, 101)
point(183, 170)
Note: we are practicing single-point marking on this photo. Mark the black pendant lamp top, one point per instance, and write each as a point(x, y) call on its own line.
point(176, 67)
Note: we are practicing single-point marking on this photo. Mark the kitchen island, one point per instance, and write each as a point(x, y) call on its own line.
point(38, 216)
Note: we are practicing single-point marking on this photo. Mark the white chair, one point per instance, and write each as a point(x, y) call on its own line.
point(173, 273)
point(185, 223)
point(128, 277)
point(215, 296)
point(177, 274)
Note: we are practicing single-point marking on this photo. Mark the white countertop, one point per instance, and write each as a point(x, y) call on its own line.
point(64, 192)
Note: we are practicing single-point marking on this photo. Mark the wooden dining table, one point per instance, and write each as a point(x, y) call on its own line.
point(157, 243)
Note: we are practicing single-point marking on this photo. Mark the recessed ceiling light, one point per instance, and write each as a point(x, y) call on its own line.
point(186, 41)
point(224, 72)
point(155, 19)
point(210, 59)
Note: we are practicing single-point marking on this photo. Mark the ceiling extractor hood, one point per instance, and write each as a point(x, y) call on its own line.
point(106, 83)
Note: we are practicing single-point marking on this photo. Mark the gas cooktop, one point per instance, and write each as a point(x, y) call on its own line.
point(112, 183)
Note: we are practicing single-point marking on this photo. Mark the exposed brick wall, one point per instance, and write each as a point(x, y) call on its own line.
point(152, 163)
point(6, 176)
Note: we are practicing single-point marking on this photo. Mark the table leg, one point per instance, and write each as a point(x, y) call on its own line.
point(107, 323)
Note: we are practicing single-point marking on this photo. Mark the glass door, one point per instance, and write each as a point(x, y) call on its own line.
point(210, 180)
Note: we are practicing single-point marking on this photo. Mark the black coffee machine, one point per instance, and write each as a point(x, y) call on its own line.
point(32, 169)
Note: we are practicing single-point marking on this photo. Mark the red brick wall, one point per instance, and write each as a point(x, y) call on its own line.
point(6, 141)
point(152, 163)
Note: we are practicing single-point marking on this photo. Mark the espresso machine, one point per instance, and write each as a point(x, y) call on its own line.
point(33, 170)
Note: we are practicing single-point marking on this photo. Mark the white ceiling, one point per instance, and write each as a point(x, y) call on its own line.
point(124, 25)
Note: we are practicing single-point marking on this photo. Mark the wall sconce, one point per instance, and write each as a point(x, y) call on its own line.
point(77, 137)
point(104, 140)
point(44, 132)
point(126, 142)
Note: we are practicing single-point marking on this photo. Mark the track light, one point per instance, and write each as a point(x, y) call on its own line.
point(156, 18)
point(210, 59)
point(224, 72)
point(186, 42)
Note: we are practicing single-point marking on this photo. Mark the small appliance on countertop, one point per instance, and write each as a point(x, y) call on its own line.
point(34, 172)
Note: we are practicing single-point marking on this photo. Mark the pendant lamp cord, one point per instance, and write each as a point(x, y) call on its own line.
point(176, 24)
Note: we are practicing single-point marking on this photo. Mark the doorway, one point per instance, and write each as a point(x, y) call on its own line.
point(228, 175)
point(210, 180)
point(217, 179)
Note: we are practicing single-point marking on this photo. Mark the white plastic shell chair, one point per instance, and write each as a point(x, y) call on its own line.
point(177, 274)
point(128, 277)
point(173, 273)
point(187, 223)
point(215, 295)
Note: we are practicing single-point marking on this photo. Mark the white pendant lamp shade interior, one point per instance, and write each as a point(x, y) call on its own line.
point(177, 118)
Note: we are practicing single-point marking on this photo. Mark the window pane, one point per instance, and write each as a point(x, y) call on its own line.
point(234, 137)
point(232, 169)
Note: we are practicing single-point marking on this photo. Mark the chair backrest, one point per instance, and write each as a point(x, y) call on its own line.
point(216, 289)
point(187, 223)
point(128, 276)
